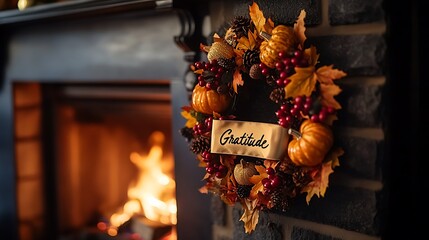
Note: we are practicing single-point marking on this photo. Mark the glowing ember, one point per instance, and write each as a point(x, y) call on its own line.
point(153, 192)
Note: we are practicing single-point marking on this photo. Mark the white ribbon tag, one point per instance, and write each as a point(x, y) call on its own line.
point(255, 139)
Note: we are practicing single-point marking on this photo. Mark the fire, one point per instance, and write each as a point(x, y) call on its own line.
point(153, 192)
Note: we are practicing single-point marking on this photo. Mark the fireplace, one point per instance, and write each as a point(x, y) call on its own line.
point(105, 147)
point(87, 97)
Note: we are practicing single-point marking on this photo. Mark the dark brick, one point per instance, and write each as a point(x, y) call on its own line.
point(360, 157)
point(343, 12)
point(282, 12)
point(361, 106)
point(301, 233)
point(352, 209)
point(267, 229)
point(357, 55)
point(218, 211)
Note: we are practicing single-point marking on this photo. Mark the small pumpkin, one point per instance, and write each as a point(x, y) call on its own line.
point(243, 171)
point(220, 49)
point(311, 144)
point(207, 101)
point(282, 39)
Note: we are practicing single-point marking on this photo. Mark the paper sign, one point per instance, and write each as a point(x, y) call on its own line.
point(255, 139)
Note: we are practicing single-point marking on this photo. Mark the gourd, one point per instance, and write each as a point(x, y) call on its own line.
point(243, 171)
point(282, 39)
point(220, 50)
point(311, 144)
point(207, 101)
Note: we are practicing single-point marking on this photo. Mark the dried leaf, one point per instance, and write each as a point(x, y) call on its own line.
point(250, 215)
point(269, 26)
point(249, 42)
point(327, 74)
point(311, 55)
point(320, 182)
point(203, 189)
point(327, 93)
point(257, 17)
point(204, 48)
point(321, 178)
point(217, 38)
point(237, 80)
point(299, 28)
point(191, 120)
point(302, 82)
point(199, 71)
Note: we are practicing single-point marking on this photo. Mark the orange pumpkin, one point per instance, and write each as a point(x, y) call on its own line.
point(282, 39)
point(208, 101)
point(311, 144)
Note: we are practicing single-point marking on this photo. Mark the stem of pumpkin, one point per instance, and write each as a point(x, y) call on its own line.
point(294, 133)
point(265, 35)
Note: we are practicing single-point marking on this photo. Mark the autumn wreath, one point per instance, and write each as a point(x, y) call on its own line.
point(261, 115)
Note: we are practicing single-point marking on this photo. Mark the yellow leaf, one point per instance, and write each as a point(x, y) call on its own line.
point(334, 155)
point(250, 215)
point(302, 82)
point(191, 119)
point(327, 74)
point(269, 26)
point(299, 28)
point(249, 42)
point(237, 80)
point(257, 17)
point(327, 93)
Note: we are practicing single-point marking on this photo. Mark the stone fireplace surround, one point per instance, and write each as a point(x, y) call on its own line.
point(92, 42)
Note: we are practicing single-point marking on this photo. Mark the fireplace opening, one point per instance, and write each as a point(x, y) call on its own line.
point(106, 166)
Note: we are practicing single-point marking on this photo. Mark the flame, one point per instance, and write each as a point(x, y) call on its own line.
point(153, 192)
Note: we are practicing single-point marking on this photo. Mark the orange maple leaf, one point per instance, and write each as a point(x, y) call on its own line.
point(320, 182)
point(237, 80)
point(249, 42)
point(326, 74)
point(327, 93)
point(303, 82)
point(299, 28)
point(257, 17)
point(321, 178)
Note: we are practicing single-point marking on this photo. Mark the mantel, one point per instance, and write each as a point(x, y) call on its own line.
point(77, 9)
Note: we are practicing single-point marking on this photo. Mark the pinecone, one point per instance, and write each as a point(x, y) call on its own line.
point(187, 133)
point(277, 95)
point(200, 144)
point(301, 178)
point(228, 64)
point(250, 57)
point(243, 191)
point(280, 201)
point(240, 26)
point(255, 72)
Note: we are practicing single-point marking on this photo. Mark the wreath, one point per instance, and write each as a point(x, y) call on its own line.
point(262, 73)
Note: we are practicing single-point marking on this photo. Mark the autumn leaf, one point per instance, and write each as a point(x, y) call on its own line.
point(327, 74)
point(311, 55)
point(204, 48)
point(250, 215)
point(257, 17)
point(257, 181)
point(203, 190)
point(191, 119)
point(320, 182)
point(249, 42)
point(299, 28)
point(302, 82)
point(237, 80)
point(321, 179)
point(327, 94)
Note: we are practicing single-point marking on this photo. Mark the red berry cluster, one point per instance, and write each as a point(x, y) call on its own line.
point(202, 128)
point(322, 114)
point(272, 182)
point(214, 166)
point(211, 75)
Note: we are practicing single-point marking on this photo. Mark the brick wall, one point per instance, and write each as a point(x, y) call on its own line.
point(351, 35)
